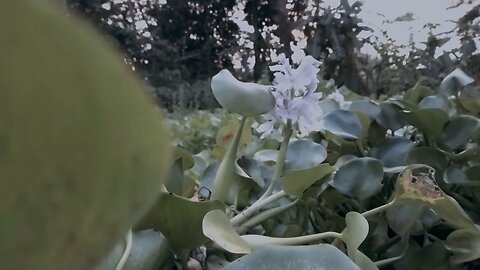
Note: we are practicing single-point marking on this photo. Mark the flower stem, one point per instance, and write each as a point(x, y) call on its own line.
point(245, 214)
point(282, 153)
point(379, 209)
point(224, 179)
point(254, 221)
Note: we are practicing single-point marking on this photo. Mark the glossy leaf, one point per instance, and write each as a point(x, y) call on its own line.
point(359, 178)
point(390, 116)
point(367, 107)
point(323, 256)
point(459, 130)
point(344, 124)
point(392, 151)
point(435, 102)
point(304, 154)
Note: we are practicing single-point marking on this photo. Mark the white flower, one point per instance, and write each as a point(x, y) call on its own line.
point(296, 99)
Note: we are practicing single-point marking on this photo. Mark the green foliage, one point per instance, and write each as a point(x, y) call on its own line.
point(408, 165)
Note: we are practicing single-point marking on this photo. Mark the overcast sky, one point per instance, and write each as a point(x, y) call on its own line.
point(375, 12)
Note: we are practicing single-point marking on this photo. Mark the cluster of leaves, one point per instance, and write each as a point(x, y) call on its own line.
point(410, 165)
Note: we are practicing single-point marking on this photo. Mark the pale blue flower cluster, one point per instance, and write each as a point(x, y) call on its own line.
point(296, 98)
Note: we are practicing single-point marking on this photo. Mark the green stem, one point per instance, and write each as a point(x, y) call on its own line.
point(126, 252)
point(257, 206)
point(254, 221)
point(379, 209)
point(292, 241)
point(225, 176)
point(282, 153)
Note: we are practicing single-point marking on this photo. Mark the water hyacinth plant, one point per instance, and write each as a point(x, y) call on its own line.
point(317, 176)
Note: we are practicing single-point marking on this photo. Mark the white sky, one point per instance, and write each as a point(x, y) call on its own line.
point(375, 12)
point(425, 11)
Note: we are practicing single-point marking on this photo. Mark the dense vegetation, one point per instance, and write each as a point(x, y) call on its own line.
point(327, 160)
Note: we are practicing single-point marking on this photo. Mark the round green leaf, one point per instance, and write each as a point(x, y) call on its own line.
point(359, 178)
point(435, 102)
point(414, 94)
point(465, 245)
point(428, 121)
point(355, 232)
point(429, 156)
point(458, 131)
point(217, 226)
point(344, 124)
point(390, 116)
point(304, 154)
point(368, 107)
point(392, 151)
point(295, 182)
point(323, 256)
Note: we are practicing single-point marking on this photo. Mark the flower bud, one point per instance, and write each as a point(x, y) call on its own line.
point(247, 99)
